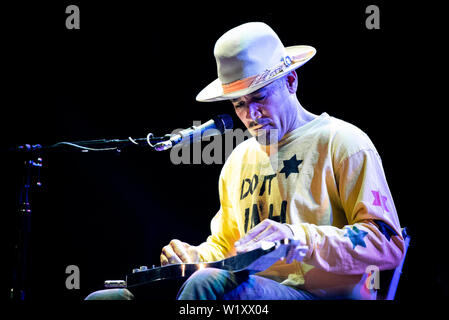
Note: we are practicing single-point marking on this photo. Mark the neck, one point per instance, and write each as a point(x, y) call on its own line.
point(301, 116)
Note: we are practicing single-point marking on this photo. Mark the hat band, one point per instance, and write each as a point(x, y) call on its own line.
point(266, 75)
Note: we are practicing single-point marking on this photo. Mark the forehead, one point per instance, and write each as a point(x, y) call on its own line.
point(248, 96)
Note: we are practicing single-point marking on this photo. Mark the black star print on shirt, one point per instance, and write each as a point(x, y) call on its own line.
point(290, 166)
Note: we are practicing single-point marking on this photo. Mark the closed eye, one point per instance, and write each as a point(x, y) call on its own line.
point(239, 104)
point(259, 98)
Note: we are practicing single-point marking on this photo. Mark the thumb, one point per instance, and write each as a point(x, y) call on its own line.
point(193, 253)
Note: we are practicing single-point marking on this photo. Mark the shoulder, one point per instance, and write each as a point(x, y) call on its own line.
point(348, 139)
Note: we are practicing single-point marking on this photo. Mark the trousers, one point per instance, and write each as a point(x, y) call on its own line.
point(217, 284)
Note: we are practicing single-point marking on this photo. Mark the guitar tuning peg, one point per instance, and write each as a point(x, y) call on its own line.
point(115, 284)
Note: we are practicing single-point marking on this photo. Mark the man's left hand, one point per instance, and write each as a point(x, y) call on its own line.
point(267, 230)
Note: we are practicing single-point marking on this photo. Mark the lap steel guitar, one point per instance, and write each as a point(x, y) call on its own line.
point(252, 262)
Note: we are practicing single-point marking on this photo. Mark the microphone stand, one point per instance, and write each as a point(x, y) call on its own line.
point(20, 285)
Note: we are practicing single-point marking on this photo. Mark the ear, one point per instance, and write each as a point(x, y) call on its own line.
point(292, 82)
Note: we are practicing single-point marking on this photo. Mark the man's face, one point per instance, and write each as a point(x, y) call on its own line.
point(265, 112)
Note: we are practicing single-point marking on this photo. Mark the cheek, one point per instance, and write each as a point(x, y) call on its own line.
point(269, 110)
point(241, 114)
point(274, 107)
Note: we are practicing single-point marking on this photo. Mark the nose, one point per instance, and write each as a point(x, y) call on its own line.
point(254, 111)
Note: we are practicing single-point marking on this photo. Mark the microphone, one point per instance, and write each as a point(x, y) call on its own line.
point(216, 126)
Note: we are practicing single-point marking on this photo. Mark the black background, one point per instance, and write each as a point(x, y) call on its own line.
point(135, 68)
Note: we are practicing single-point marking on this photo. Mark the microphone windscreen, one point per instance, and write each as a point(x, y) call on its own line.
point(223, 122)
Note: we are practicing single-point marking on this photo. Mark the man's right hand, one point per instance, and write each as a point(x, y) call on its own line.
point(179, 252)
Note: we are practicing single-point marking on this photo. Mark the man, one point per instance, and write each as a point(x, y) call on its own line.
point(313, 178)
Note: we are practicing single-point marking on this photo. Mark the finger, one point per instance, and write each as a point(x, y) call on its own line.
point(164, 260)
point(171, 255)
point(179, 249)
point(290, 256)
point(185, 245)
point(298, 256)
point(296, 253)
point(248, 247)
point(268, 235)
point(271, 235)
point(254, 233)
point(193, 254)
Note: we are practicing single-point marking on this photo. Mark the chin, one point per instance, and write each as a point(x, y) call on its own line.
point(267, 139)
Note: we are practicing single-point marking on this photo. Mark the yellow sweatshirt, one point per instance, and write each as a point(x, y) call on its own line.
point(326, 181)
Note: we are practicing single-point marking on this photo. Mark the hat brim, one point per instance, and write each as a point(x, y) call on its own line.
point(214, 91)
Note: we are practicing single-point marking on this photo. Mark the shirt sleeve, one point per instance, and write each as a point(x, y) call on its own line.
point(224, 231)
point(372, 235)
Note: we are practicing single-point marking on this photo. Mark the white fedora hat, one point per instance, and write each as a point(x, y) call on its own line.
point(250, 57)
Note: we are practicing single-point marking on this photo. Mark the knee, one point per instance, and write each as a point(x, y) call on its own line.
point(208, 275)
point(111, 294)
point(207, 284)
